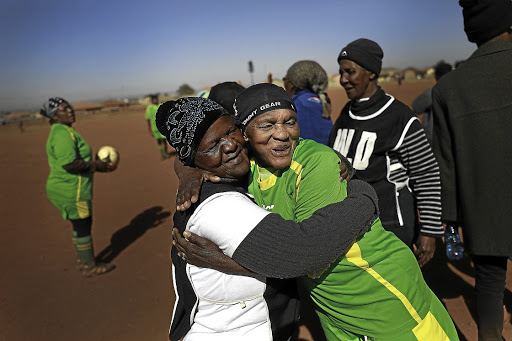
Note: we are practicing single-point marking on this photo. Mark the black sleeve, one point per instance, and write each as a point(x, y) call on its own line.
point(285, 249)
point(79, 166)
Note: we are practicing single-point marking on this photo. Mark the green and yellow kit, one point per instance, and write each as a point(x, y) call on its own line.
point(375, 290)
point(70, 193)
point(150, 115)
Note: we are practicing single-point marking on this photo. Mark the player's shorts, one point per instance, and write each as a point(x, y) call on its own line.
point(74, 210)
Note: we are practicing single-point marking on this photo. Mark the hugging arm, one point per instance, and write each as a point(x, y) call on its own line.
point(190, 180)
point(284, 249)
point(204, 253)
point(347, 171)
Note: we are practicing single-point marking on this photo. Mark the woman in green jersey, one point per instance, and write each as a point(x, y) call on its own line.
point(69, 185)
point(375, 289)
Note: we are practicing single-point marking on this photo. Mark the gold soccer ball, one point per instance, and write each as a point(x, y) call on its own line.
point(109, 154)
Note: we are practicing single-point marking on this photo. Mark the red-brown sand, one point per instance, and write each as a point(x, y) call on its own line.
point(43, 296)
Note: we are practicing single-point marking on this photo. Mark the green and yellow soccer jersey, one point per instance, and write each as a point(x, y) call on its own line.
point(150, 115)
point(376, 288)
point(64, 145)
point(302, 188)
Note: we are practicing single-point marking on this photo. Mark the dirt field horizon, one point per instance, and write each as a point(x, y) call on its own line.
point(45, 298)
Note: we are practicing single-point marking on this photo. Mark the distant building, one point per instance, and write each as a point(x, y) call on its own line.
point(412, 73)
point(389, 74)
point(87, 106)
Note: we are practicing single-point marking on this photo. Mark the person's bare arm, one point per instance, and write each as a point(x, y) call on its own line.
point(190, 180)
point(285, 249)
point(204, 253)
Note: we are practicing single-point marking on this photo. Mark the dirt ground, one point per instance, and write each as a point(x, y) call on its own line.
point(43, 296)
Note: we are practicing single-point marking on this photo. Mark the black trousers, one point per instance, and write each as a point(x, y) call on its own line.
point(491, 273)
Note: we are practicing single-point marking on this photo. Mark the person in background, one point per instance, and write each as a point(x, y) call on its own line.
point(388, 148)
point(422, 105)
point(307, 82)
point(69, 185)
point(224, 94)
point(472, 108)
point(150, 117)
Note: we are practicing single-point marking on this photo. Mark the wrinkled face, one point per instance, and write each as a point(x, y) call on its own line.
point(65, 114)
point(222, 150)
point(355, 79)
point(273, 137)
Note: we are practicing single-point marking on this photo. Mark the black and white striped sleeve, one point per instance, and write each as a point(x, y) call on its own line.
point(416, 155)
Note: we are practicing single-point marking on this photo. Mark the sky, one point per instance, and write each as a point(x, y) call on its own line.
point(87, 50)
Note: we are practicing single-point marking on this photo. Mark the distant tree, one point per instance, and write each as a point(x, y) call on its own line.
point(185, 89)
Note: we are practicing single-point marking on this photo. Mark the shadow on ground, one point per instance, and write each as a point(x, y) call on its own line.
point(122, 238)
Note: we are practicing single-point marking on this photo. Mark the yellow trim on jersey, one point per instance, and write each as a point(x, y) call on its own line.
point(267, 183)
point(430, 329)
point(81, 206)
point(427, 328)
point(71, 133)
point(79, 187)
point(296, 167)
point(271, 180)
point(354, 256)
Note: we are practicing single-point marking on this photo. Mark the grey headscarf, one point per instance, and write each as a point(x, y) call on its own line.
point(309, 75)
point(49, 107)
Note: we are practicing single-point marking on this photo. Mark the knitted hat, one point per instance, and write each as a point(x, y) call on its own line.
point(225, 93)
point(309, 75)
point(364, 52)
point(49, 107)
point(257, 100)
point(185, 121)
point(486, 19)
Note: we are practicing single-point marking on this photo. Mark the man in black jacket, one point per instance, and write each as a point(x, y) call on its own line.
point(472, 108)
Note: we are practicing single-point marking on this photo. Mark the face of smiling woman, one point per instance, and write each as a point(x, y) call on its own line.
point(222, 150)
point(273, 137)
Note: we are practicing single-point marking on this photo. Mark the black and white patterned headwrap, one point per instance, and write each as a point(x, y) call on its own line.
point(184, 122)
point(49, 107)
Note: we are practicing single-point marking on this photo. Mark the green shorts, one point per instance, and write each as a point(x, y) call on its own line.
point(74, 210)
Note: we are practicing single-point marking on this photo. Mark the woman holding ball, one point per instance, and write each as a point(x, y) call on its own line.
point(69, 185)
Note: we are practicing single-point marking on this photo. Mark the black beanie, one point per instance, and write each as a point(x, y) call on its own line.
point(486, 19)
point(364, 52)
point(225, 93)
point(258, 99)
point(184, 122)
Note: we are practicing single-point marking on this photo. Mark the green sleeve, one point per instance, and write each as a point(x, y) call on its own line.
point(148, 113)
point(64, 147)
point(319, 183)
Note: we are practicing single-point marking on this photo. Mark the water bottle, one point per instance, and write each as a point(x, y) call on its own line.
point(454, 250)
